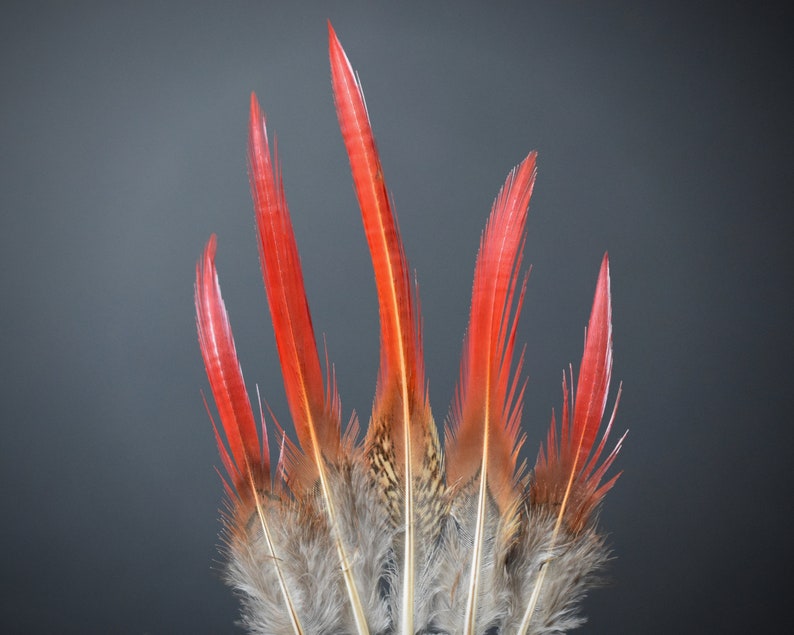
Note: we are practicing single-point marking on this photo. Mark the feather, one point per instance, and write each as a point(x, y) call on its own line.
point(565, 477)
point(402, 439)
point(248, 465)
point(482, 439)
point(315, 409)
point(385, 536)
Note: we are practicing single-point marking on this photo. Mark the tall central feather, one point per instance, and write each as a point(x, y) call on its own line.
point(315, 410)
point(402, 441)
point(482, 442)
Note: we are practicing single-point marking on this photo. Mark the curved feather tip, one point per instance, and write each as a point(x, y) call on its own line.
point(247, 460)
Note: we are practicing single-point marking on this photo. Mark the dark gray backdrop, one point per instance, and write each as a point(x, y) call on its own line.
point(664, 136)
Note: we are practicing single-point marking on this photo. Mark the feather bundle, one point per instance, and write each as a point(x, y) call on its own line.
point(394, 535)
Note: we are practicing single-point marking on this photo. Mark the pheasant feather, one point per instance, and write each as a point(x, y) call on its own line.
point(387, 535)
point(482, 444)
point(315, 409)
point(402, 440)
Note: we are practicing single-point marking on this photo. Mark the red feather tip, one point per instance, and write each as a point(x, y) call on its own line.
point(487, 409)
point(566, 474)
point(247, 461)
point(314, 405)
point(401, 365)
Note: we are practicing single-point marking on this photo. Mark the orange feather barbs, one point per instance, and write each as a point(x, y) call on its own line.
point(394, 534)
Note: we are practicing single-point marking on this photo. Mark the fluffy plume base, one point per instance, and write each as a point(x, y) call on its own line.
point(307, 559)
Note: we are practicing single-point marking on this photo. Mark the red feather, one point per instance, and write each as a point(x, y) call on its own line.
point(486, 413)
point(566, 473)
point(401, 367)
point(248, 462)
point(315, 408)
point(402, 440)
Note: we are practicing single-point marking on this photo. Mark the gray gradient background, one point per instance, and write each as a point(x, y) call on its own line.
point(664, 137)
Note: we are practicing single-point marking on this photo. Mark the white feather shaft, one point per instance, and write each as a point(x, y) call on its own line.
point(293, 615)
